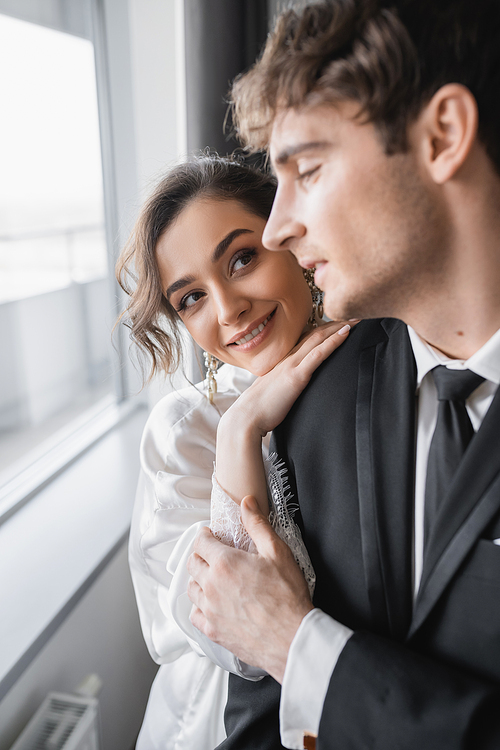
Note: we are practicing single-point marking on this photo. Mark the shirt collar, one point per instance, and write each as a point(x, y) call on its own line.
point(485, 362)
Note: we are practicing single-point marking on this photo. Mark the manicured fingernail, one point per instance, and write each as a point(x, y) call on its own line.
point(344, 330)
point(354, 320)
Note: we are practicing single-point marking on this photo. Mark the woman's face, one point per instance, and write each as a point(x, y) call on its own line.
point(241, 302)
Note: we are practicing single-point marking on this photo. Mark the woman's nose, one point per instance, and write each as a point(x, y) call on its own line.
point(283, 228)
point(230, 305)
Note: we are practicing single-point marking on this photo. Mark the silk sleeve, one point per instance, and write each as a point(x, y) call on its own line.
point(172, 504)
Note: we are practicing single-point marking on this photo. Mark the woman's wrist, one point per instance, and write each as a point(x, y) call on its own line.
point(238, 463)
point(238, 422)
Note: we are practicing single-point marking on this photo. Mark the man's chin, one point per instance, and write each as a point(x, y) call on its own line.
point(337, 309)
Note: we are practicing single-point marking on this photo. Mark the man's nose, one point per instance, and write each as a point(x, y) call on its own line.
point(283, 227)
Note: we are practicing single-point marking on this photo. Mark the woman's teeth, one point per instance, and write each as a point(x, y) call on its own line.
point(254, 333)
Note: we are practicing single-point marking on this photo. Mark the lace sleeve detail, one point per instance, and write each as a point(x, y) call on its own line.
point(226, 525)
point(281, 517)
point(225, 520)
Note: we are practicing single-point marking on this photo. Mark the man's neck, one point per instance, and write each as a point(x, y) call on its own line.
point(457, 326)
point(459, 311)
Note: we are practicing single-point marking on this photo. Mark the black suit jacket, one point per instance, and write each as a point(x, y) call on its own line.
point(422, 676)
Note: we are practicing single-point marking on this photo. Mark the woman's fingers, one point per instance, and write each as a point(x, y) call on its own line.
point(268, 400)
point(323, 341)
point(324, 348)
point(317, 336)
point(306, 361)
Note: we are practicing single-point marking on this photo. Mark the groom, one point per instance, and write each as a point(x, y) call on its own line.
point(383, 126)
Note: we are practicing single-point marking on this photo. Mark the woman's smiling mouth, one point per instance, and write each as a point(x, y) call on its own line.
point(253, 334)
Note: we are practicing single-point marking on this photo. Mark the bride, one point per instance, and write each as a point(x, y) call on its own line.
point(196, 261)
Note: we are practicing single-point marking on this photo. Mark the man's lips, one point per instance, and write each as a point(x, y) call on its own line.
point(252, 329)
point(318, 265)
point(319, 274)
point(306, 263)
point(311, 263)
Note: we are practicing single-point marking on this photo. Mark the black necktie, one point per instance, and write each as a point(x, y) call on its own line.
point(451, 437)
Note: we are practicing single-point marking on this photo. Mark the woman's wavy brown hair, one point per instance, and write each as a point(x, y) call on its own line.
point(152, 320)
point(389, 56)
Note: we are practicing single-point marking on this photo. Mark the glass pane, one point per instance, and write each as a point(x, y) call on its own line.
point(55, 318)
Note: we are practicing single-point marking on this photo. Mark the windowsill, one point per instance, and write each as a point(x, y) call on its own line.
point(25, 478)
point(53, 548)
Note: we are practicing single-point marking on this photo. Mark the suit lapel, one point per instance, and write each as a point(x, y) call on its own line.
point(471, 503)
point(385, 446)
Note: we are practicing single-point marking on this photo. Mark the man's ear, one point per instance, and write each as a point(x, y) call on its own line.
point(447, 130)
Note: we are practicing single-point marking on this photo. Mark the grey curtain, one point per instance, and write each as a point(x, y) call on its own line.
point(223, 38)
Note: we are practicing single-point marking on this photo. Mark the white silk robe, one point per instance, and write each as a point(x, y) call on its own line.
point(188, 696)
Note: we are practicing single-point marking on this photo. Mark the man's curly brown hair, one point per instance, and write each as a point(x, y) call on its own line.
point(390, 57)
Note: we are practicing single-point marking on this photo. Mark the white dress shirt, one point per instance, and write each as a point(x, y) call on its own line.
point(320, 639)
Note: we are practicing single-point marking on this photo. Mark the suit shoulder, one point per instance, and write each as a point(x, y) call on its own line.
point(336, 378)
point(373, 331)
point(365, 334)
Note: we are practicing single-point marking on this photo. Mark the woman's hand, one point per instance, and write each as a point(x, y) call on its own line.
point(262, 407)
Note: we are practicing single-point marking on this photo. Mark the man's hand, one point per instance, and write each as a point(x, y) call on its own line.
point(252, 604)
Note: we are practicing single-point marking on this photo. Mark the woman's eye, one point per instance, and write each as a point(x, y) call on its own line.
point(243, 260)
point(189, 300)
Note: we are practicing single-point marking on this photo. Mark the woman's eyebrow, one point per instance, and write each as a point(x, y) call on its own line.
point(179, 284)
point(223, 245)
point(219, 251)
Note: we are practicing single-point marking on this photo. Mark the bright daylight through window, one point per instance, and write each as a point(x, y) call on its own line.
point(55, 311)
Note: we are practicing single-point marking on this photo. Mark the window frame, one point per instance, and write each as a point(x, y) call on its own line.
point(34, 471)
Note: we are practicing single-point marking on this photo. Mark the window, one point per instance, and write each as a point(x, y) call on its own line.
point(58, 367)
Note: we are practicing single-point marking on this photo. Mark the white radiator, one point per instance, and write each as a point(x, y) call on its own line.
point(63, 722)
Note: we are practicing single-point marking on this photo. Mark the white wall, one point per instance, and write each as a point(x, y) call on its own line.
point(148, 118)
point(102, 635)
point(156, 81)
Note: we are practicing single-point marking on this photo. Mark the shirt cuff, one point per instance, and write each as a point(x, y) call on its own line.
point(314, 652)
point(224, 658)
